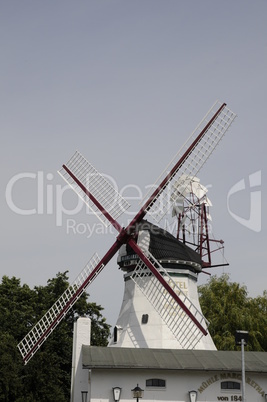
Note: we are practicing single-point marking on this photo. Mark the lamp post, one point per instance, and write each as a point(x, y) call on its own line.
point(241, 338)
point(137, 393)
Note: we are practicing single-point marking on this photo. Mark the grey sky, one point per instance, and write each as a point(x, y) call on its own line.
point(126, 82)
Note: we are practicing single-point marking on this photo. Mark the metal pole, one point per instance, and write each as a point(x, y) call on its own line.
point(243, 369)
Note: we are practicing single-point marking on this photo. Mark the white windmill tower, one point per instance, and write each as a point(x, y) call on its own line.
point(177, 313)
point(146, 318)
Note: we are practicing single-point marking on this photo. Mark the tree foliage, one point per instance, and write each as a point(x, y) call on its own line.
point(228, 308)
point(47, 375)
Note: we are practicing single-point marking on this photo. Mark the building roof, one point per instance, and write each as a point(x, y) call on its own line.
point(96, 357)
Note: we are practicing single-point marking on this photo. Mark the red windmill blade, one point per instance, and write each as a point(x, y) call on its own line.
point(77, 172)
point(189, 159)
point(105, 201)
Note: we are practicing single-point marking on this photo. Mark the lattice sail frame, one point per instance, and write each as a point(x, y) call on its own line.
point(195, 159)
point(97, 185)
point(40, 332)
point(180, 324)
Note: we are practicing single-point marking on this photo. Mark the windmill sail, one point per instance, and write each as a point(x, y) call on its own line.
point(40, 332)
point(191, 157)
point(94, 189)
point(174, 316)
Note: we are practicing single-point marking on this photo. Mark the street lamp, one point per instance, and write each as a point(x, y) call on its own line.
point(241, 338)
point(193, 396)
point(137, 393)
point(84, 396)
point(116, 393)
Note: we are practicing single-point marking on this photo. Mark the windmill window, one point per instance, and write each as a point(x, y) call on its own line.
point(144, 318)
point(116, 333)
point(156, 382)
point(225, 385)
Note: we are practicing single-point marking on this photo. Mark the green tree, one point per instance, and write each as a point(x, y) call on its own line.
point(228, 308)
point(47, 375)
point(259, 315)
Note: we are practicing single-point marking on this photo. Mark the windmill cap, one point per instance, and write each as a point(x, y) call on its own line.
point(163, 246)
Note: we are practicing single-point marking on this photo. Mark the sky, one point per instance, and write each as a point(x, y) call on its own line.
point(125, 83)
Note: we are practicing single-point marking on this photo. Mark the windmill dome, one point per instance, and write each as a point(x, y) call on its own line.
point(169, 251)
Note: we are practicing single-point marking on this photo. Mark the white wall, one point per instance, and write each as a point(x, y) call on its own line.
point(178, 384)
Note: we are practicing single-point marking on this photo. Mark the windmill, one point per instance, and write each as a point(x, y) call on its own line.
point(179, 313)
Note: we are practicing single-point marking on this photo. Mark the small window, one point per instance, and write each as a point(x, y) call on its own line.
point(156, 382)
point(116, 333)
point(144, 318)
point(230, 385)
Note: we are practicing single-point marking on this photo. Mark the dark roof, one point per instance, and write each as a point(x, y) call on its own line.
point(163, 245)
point(96, 357)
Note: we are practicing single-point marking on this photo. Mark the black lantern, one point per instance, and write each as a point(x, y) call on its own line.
point(241, 337)
point(137, 393)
